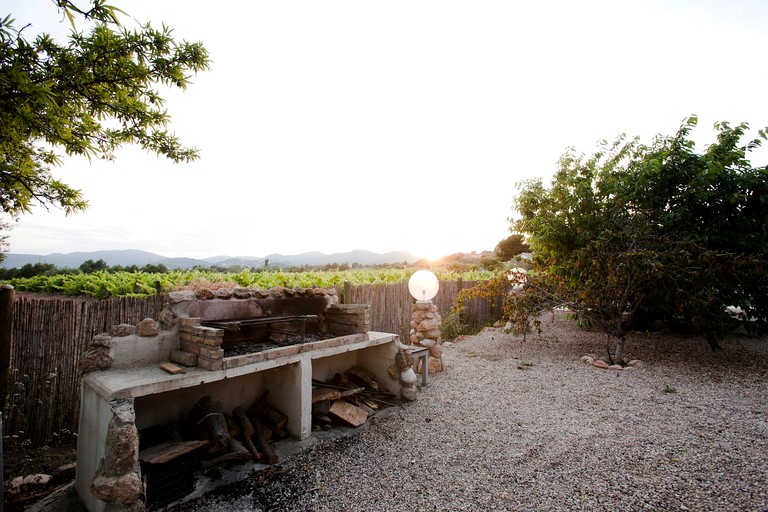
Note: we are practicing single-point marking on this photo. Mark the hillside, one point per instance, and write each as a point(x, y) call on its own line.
point(139, 258)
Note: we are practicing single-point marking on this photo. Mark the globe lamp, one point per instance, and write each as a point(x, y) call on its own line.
point(423, 285)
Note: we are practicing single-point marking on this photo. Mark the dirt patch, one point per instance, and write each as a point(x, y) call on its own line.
point(56, 461)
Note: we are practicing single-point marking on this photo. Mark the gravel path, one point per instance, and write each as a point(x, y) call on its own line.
point(524, 425)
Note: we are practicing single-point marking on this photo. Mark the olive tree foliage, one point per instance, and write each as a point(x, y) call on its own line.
point(510, 247)
point(87, 96)
point(637, 235)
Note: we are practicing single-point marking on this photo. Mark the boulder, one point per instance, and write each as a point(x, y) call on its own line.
point(121, 330)
point(125, 489)
point(147, 328)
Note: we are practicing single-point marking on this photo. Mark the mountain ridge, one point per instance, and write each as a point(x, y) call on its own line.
point(128, 257)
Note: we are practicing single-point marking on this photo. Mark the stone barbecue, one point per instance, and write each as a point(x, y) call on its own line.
point(142, 378)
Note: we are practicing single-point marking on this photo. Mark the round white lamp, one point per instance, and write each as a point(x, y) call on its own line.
point(423, 285)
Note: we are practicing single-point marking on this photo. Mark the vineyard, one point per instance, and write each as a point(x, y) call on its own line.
point(104, 284)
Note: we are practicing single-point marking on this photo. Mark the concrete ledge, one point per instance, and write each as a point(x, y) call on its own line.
point(145, 380)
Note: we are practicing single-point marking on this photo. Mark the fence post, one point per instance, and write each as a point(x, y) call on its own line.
point(6, 330)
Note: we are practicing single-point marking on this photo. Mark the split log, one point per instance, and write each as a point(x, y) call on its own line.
point(271, 416)
point(267, 432)
point(247, 429)
point(348, 413)
point(363, 377)
point(270, 457)
point(338, 384)
point(323, 419)
point(321, 408)
point(277, 433)
point(343, 381)
point(232, 427)
point(373, 404)
point(275, 418)
point(237, 446)
point(361, 404)
point(209, 422)
point(321, 394)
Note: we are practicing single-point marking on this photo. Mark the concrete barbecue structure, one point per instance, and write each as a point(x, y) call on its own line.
point(152, 374)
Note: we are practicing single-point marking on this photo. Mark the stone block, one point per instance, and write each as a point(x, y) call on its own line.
point(210, 364)
point(210, 352)
point(183, 357)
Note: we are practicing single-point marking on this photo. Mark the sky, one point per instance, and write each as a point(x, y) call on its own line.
point(401, 125)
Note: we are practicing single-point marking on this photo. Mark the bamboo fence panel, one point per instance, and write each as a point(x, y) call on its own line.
point(48, 341)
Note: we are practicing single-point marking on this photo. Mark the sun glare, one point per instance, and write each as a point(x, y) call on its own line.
point(431, 254)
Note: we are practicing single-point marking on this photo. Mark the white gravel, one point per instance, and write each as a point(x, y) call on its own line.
point(524, 425)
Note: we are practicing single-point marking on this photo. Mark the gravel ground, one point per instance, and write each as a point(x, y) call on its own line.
point(524, 425)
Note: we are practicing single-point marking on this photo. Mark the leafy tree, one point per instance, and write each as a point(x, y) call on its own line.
point(28, 270)
point(88, 96)
point(90, 266)
point(511, 247)
point(158, 268)
point(638, 234)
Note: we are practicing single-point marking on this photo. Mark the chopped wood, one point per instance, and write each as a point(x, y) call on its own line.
point(336, 385)
point(348, 413)
point(237, 446)
point(243, 421)
point(274, 418)
point(245, 447)
point(363, 377)
point(270, 457)
point(361, 404)
point(320, 394)
point(343, 381)
point(168, 450)
point(267, 432)
point(277, 433)
point(232, 427)
point(252, 449)
point(172, 368)
point(321, 408)
point(323, 419)
point(208, 422)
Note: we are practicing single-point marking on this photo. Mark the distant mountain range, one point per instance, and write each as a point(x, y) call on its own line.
point(129, 257)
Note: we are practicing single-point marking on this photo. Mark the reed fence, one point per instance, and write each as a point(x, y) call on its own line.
point(50, 335)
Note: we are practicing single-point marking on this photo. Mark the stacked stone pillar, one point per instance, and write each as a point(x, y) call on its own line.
point(425, 332)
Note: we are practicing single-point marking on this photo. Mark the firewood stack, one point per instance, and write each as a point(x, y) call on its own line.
point(348, 399)
point(243, 435)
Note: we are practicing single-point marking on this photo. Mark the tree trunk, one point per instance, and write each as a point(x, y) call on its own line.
point(619, 349)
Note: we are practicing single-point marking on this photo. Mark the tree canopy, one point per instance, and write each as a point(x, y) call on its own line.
point(639, 235)
point(87, 96)
point(510, 247)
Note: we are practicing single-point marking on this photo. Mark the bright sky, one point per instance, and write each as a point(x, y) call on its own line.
point(400, 125)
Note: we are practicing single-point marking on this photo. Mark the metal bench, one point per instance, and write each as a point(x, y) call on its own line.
point(423, 354)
